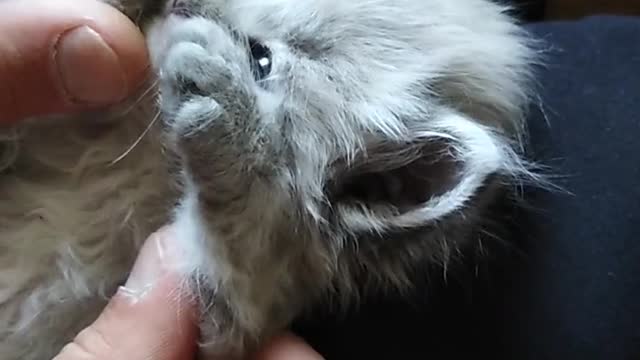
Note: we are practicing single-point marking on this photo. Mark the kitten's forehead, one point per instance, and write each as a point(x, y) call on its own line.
point(372, 61)
point(282, 17)
point(322, 19)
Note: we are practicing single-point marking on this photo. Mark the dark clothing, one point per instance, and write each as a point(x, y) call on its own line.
point(568, 285)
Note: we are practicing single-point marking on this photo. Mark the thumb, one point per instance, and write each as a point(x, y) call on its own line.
point(287, 347)
point(148, 318)
point(64, 56)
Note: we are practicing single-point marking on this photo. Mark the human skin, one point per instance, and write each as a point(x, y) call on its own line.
point(53, 53)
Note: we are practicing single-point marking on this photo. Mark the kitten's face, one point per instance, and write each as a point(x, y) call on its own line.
point(301, 126)
point(335, 86)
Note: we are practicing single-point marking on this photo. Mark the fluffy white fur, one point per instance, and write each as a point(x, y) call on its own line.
point(346, 75)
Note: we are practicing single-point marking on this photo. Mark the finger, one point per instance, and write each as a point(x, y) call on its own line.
point(66, 55)
point(287, 347)
point(148, 319)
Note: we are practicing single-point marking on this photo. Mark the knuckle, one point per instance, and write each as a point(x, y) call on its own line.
point(93, 340)
point(89, 344)
point(73, 351)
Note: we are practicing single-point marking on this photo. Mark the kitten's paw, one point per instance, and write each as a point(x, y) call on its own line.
point(192, 71)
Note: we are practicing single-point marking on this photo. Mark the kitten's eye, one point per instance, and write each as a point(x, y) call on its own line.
point(261, 59)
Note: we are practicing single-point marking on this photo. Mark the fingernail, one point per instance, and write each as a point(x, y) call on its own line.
point(90, 71)
point(150, 266)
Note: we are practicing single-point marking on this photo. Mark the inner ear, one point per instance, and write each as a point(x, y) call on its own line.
point(402, 176)
point(402, 186)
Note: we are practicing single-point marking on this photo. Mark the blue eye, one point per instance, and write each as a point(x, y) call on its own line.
point(260, 59)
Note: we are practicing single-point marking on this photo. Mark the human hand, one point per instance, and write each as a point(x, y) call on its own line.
point(65, 56)
point(150, 319)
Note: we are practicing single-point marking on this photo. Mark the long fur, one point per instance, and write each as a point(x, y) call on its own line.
point(374, 143)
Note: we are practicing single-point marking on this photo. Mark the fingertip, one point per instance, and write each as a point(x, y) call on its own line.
point(127, 42)
point(109, 59)
point(151, 317)
point(79, 55)
point(159, 261)
point(287, 347)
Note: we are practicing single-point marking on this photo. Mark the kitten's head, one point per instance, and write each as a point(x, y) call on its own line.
point(311, 134)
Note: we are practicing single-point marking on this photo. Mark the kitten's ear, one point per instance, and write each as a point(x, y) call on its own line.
point(401, 186)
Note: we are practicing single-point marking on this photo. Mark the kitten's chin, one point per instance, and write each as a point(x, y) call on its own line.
point(193, 239)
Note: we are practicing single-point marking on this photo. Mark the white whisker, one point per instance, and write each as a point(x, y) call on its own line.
point(140, 98)
point(138, 140)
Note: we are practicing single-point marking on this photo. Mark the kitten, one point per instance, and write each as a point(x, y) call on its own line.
point(301, 149)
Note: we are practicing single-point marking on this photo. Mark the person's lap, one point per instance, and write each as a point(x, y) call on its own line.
point(574, 289)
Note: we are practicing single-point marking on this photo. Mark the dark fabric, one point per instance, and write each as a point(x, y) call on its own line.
point(580, 294)
point(528, 10)
point(567, 283)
